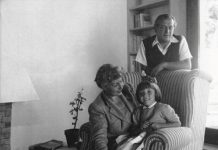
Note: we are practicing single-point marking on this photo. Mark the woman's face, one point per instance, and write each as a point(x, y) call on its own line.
point(114, 88)
point(147, 96)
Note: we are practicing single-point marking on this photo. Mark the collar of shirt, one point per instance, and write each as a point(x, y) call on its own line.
point(152, 105)
point(164, 51)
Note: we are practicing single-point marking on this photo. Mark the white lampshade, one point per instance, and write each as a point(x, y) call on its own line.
point(15, 82)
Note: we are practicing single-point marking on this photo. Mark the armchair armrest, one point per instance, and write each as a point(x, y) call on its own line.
point(203, 75)
point(169, 138)
point(84, 134)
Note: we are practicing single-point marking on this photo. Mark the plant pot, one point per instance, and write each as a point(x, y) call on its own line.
point(72, 137)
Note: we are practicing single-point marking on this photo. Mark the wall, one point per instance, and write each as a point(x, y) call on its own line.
point(178, 10)
point(60, 44)
point(5, 126)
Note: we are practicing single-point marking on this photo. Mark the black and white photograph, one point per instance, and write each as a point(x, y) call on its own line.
point(108, 75)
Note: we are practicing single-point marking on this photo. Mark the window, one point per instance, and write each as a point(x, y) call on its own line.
point(209, 60)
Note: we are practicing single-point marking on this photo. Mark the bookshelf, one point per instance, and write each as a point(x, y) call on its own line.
point(148, 5)
point(141, 15)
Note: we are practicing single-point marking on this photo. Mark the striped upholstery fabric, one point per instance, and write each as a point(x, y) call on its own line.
point(187, 92)
point(84, 134)
point(134, 78)
point(170, 138)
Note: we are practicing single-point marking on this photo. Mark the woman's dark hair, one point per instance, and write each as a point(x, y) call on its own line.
point(163, 17)
point(107, 73)
point(146, 84)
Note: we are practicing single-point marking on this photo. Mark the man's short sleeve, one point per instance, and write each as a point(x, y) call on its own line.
point(141, 57)
point(184, 51)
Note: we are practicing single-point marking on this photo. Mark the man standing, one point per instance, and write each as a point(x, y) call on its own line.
point(164, 50)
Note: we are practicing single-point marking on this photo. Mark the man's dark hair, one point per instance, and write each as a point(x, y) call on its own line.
point(162, 17)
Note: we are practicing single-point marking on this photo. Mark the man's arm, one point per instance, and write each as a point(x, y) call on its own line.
point(183, 64)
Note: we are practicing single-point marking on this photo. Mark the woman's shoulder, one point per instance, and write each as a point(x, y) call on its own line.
point(98, 103)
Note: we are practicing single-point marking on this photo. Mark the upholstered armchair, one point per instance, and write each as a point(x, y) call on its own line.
point(187, 92)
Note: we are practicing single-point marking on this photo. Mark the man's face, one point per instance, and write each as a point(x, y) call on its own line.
point(165, 30)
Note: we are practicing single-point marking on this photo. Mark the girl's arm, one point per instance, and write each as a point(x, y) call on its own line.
point(172, 119)
point(165, 125)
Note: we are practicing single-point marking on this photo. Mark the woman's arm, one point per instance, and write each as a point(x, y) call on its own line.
point(99, 128)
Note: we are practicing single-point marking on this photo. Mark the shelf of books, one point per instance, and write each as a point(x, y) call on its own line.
point(136, 40)
point(141, 29)
point(133, 65)
point(141, 17)
point(149, 5)
point(142, 24)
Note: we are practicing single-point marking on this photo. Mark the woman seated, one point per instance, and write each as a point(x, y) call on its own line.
point(110, 113)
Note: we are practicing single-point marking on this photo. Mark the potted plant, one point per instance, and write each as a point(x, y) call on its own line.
point(72, 135)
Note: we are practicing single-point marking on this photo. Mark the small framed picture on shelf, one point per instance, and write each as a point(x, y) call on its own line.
point(142, 20)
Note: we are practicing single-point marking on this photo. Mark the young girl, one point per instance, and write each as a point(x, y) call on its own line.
point(151, 115)
point(152, 112)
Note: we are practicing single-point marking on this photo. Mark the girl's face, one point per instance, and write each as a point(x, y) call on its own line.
point(147, 96)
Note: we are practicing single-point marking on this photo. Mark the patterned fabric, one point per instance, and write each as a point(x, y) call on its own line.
point(187, 92)
point(85, 136)
point(134, 78)
point(170, 138)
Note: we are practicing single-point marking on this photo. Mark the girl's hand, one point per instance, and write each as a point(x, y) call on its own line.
point(145, 125)
point(156, 125)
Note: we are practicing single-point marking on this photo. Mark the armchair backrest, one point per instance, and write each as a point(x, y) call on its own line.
point(185, 90)
point(134, 78)
point(181, 89)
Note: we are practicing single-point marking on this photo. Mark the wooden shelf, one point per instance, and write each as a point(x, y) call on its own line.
point(149, 6)
point(133, 53)
point(141, 29)
point(138, 28)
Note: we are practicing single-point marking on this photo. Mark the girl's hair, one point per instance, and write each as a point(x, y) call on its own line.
point(146, 84)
